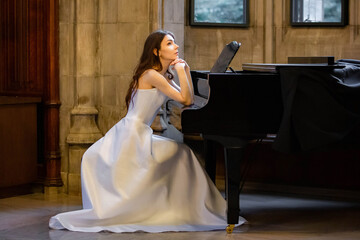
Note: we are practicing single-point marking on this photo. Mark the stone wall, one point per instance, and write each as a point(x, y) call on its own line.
point(101, 41)
point(271, 39)
point(100, 44)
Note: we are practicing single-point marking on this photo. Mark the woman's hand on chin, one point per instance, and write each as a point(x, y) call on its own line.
point(178, 64)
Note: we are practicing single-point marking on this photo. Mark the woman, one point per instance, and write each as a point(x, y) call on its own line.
point(133, 180)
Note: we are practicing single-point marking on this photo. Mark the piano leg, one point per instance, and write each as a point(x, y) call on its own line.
point(233, 157)
point(234, 148)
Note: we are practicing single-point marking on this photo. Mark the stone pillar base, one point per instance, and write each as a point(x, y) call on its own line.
point(83, 133)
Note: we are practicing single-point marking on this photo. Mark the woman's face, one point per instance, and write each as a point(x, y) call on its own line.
point(168, 49)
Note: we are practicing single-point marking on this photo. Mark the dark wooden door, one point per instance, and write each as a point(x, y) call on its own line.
point(29, 68)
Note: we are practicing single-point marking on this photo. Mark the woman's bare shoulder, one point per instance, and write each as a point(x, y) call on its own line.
point(150, 73)
point(152, 76)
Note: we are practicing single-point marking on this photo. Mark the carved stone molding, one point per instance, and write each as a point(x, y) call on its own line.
point(84, 129)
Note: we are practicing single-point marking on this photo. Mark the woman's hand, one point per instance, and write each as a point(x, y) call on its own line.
point(179, 64)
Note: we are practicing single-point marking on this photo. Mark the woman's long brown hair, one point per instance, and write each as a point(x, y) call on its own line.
point(147, 61)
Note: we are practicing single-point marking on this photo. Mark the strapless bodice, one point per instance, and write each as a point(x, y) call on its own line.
point(145, 104)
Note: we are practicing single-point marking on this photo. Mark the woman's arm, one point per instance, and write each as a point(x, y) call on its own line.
point(183, 95)
point(186, 87)
point(190, 82)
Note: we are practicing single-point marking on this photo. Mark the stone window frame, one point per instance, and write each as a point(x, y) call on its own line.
point(217, 24)
point(343, 20)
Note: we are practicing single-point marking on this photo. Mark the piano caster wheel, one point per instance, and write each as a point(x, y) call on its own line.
point(230, 228)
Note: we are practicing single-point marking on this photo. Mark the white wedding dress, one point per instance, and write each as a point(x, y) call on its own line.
point(133, 180)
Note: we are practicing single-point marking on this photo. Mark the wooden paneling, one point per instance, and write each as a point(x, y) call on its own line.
point(22, 42)
point(333, 168)
point(29, 68)
point(18, 138)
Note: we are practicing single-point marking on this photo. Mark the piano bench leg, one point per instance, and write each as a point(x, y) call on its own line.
point(230, 228)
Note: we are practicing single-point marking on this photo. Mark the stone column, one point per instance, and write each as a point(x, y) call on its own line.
point(174, 21)
point(83, 129)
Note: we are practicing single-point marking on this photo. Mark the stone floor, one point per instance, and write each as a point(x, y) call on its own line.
point(269, 217)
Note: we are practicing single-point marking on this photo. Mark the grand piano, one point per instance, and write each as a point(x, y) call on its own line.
point(233, 108)
point(241, 107)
